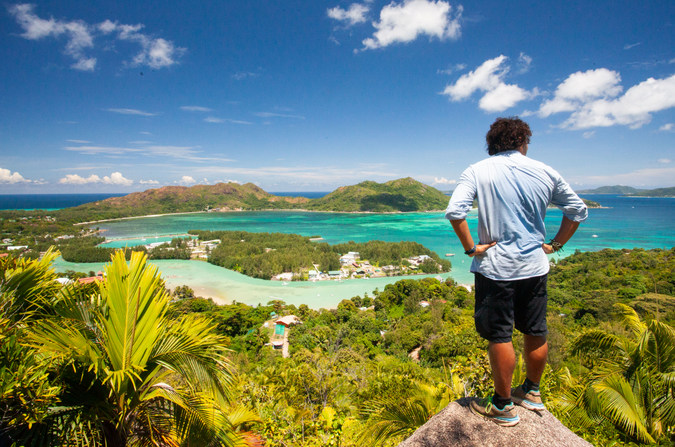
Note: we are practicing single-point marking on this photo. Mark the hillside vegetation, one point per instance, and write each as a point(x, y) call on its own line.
point(615, 189)
point(404, 194)
point(181, 199)
point(398, 195)
point(658, 192)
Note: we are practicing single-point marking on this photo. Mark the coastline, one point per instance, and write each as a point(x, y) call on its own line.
point(254, 211)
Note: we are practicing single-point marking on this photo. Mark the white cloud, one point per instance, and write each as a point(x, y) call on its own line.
point(78, 34)
point(452, 69)
point(406, 21)
point(277, 115)
point(196, 109)
point(101, 150)
point(664, 161)
point(582, 87)
point(79, 141)
point(488, 78)
point(524, 63)
point(631, 45)
point(241, 75)
point(80, 37)
point(633, 109)
point(7, 176)
point(443, 181)
point(116, 178)
point(130, 112)
point(589, 134)
point(148, 182)
point(667, 127)
point(187, 180)
point(354, 15)
point(74, 179)
point(216, 120)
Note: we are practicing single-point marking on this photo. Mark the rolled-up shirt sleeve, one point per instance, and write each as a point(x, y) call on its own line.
point(462, 197)
point(569, 202)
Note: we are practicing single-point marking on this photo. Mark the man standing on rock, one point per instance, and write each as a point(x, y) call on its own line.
point(509, 261)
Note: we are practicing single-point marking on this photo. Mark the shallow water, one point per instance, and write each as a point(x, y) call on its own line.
point(626, 223)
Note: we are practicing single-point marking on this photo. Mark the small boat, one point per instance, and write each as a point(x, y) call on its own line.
point(449, 254)
point(595, 235)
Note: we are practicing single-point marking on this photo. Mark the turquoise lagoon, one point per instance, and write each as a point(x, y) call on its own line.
point(624, 223)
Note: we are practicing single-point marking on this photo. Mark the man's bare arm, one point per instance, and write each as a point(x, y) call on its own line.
point(567, 229)
point(462, 231)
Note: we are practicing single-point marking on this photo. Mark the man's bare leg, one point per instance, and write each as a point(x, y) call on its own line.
point(503, 362)
point(536, 352)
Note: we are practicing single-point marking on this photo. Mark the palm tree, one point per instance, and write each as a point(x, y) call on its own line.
point(130, 374)
point(395, 417)
point(631, 381)
point(26, 287)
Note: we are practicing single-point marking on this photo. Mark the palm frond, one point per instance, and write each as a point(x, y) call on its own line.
point(623, 408)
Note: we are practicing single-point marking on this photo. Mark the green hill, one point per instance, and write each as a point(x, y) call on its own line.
point(659, 192)
point(616, 189)
point(404, 194)
point(181, 199)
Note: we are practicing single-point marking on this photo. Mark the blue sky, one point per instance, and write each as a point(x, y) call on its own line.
point(311, 95)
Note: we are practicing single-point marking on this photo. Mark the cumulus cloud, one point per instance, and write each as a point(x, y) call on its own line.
point(116, 178)
point(187, 180)
point(488, 78)
point(443, 181)
point(196, 109)
point(75, 179)
point(148, 182)
point(130, 112)
point(594, 100)
point(406, 21)
point(81, 36)
point(354, 15)
point(7, 176)
point(667, 127)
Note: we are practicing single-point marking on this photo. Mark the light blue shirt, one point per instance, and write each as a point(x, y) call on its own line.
point(513, 192)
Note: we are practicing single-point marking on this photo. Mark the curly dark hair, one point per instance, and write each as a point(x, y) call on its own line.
point(507, 134)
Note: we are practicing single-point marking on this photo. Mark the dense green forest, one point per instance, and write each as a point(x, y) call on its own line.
point(404, 194)
point(263, 255)
point(350, 378)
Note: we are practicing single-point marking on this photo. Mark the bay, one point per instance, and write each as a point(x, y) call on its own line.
point(625, 222)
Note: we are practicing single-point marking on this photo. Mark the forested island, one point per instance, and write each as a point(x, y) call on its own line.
point(630, 191)
point(367, 373)
point(282, 256)
point(402, 195)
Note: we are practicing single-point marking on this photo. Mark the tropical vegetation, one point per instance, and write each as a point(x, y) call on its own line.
point(368, 372)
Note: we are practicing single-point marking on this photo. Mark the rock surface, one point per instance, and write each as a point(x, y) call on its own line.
point(457, 426)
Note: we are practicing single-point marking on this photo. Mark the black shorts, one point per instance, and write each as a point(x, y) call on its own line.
point(501, 303)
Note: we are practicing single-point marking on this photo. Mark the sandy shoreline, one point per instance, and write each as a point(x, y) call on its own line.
point(253, 211)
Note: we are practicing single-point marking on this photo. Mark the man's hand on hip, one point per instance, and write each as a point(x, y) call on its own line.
point(482, 248)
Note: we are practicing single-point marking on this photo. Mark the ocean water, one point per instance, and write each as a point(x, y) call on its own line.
point(623, 223)
point(48, 201)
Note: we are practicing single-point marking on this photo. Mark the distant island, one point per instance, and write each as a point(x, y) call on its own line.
point(630, 191)
point(402, 195)
point(615, 189)
point(659, 192)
